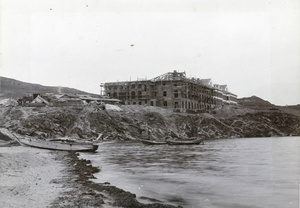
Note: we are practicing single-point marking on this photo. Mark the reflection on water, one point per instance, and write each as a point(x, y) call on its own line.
point(256, 172)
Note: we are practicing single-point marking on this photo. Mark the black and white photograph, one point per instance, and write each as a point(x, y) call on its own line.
point(150, 103)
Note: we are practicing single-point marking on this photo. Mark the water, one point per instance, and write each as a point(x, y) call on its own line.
point(249, 172)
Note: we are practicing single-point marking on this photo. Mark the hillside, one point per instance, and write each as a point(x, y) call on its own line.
point(257, 104)
point(11, 88)
point(139, 122)
point(252, 117)
point(254, 102)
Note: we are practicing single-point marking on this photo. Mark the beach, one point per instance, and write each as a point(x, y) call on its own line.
point(27, 177)
point(32, 177)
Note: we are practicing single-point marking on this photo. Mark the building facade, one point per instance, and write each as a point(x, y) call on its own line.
point(172, 90)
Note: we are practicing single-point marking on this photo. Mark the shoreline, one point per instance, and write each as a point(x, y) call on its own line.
point(32, 177)
point(82, 192)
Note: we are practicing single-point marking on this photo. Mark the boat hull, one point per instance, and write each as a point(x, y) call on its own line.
point(182, 142)
point(153, 142)
point(58, 145)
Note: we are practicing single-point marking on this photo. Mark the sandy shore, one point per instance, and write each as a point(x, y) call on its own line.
point(27, 176)
point(31, 177)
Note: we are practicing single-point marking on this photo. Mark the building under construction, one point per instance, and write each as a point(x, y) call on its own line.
point(172, 90)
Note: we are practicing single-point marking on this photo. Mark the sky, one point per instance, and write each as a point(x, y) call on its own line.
point(253, 46)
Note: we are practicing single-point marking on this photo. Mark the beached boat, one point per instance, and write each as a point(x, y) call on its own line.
point(8, 143)
point(58, 144)
point(153, 142)
point(172, 141)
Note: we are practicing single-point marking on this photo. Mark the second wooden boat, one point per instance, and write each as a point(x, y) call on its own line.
point(184, 142)
point(152, 142)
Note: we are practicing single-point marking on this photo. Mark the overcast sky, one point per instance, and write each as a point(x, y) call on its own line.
point(253, 46)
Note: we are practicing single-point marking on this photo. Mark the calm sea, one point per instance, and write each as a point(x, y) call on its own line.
point(248, 172)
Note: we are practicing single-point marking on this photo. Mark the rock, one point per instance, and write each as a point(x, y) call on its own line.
point(141, 122)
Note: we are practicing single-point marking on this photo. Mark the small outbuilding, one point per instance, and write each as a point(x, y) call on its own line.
point(39, 101)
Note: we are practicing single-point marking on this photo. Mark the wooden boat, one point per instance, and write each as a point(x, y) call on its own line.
point(58, 144)
point(172, 141)
point(9, 143)
point(153, 142)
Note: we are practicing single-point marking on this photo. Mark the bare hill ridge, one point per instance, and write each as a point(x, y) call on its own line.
point(254, 101)
point(11, 88)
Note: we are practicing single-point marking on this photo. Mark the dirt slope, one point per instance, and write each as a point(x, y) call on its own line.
point(136, 122)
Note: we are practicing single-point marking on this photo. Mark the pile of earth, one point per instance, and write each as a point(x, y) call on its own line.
point(140, 122)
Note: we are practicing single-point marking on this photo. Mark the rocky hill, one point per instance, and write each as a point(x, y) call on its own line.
point(254, 101)
point(14, 89)
point(138, 122)
point(252, 117)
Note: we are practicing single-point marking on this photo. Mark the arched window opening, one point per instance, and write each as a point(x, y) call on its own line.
point(132, 95)
point(176, 94)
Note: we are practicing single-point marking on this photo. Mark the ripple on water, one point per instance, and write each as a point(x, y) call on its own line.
point(252, 172)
